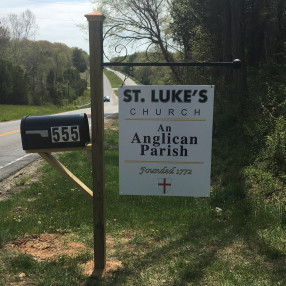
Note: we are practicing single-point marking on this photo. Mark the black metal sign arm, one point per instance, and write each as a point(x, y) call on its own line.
point(234, 64)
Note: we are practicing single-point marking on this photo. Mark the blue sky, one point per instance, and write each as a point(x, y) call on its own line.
point(57, 20)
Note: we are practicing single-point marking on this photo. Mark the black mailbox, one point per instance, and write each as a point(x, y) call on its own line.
point(55, 131)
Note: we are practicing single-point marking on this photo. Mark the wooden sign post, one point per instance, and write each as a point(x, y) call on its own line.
point(95, 20)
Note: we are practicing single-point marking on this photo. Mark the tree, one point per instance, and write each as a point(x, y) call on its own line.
point(4, 39)
point(21, 28)
point(190, 28)
point(79, 59)
point(266, 30)
point(33, 72)
point(139, 23)
point(5, 81)
point(76, 84)
point(194, 29)
point(12, 84)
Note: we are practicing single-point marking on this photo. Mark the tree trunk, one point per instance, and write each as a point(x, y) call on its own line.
point(226, 38)
point(237, 46)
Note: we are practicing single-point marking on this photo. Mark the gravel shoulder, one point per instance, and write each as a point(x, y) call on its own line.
point(20, 180)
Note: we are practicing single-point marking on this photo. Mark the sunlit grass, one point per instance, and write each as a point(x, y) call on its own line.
point(14, 112)
point(159, 240)
point(114, 80)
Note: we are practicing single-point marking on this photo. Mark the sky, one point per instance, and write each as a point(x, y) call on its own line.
point(57, 20)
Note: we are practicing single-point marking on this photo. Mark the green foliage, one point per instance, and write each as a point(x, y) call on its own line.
point(14, 112)
point(267, 173)
point(267, 100)
point(79, 85)
point(35, 72)
point(191, 27)
point(146, 75)
point(273, 156)
point(12, 84)
point(75, 84)
point(84, 99)
point(264, 185)
point(265, 127)
point(114, 80)
point(79, 59)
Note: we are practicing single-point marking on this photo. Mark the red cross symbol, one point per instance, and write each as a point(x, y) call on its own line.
point(164, 184)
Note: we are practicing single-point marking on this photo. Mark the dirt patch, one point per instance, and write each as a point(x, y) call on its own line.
point(46, 246)
point(111, 266)
point(50, 246)
point(20, 180)
point(109, 123)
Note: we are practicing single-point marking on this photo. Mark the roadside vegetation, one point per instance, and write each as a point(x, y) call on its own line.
point(14, 112)
point(37, 72)
point(114, 80)
point(231, 238)
point(249, 108)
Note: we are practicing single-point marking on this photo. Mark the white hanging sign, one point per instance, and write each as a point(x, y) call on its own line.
point(165, 139)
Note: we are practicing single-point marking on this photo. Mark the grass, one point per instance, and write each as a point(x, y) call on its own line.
point(114, 80)
point(14, 112)
point(159, 240)
point(84, 99)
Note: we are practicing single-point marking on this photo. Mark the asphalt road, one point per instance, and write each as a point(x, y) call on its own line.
point(13, 158)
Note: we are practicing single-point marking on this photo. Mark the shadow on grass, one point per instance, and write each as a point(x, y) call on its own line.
point(197, 254)
point(226, 247)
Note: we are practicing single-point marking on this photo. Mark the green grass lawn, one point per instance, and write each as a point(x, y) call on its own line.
point(158, 240)
point(14, 112)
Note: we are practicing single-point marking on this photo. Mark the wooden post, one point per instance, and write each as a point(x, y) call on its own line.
point(95, 20)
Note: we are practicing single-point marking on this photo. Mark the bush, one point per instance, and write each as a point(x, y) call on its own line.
point(273, 156)
point(264, 185)
point(267, 174)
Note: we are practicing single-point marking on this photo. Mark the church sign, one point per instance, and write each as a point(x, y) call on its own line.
point(165, 139)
